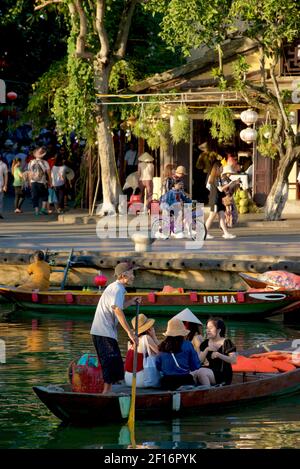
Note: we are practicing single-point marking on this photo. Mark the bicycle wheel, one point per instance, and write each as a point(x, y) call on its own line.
point(197, 230)
point(160, 229)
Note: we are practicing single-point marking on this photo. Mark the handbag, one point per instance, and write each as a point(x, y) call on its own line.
point(227, 200)
point(151, 373)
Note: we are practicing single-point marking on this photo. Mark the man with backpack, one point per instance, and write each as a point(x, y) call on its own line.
point(39, 177)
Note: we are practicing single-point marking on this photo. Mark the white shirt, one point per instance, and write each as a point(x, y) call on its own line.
point(146, 171)
point(58, 175)
point(3, 172)
point(44, 165)
point(105, 321)
point(130, 157)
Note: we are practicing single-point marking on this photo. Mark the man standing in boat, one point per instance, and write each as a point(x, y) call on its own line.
point(104, 327)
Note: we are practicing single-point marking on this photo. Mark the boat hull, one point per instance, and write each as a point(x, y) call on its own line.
point(102, 409)
point(257, 303)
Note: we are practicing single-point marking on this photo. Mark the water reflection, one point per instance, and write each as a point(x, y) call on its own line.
point(39, 350)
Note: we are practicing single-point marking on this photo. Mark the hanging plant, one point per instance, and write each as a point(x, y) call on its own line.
point(266, 145)
point(153, 131)
point(180, 127)
point(222, 122)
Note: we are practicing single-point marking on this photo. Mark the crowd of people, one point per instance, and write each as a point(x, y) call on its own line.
point(219, 169)
point(40, 168)
point(184, 357)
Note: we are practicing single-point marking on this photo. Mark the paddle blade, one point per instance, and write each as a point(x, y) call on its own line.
point(131, 418)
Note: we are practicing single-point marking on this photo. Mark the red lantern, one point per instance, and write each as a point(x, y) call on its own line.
point(100, 280)
point(12, 95)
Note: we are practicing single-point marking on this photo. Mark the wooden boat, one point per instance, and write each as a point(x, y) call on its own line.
point(86, 408)
point(259, 303)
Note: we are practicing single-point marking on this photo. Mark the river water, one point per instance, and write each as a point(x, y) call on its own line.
point(39, 349)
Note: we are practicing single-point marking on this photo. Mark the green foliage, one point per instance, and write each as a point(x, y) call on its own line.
point(219, 76)
point(265, 141)
point(123, 75)
point(154, 131)
point(44, 92)
point(222, 122)
point(180, 130)
point(190, 23)
point(240, 68)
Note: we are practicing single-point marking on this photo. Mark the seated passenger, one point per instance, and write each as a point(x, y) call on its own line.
point(177, 361)
point(194, 325)
point(39, 272)
point(148, 346)
point(218, 351)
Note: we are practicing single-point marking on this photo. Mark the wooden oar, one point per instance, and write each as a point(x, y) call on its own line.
point(131, 418)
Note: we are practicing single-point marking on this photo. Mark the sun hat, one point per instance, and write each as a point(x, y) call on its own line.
point(144, 323)
point(145, 157)
point(176, 328)
point(124, 267)
point(187, 315)
point(227, 169)
point(39, 152)
point(180, 170)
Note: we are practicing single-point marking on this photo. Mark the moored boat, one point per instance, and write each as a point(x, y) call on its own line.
point(257, 303)
point(101, 409)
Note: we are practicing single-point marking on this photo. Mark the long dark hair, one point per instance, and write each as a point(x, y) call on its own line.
point(171, 344)
point(195, 329)
point(219, 324)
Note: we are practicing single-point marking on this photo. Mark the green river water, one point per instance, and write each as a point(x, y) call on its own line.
point(39, 349)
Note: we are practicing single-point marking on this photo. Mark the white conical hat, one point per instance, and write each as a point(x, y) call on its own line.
point(187, 315)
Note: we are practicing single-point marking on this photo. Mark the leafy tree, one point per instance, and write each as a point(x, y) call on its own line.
point(270, 24)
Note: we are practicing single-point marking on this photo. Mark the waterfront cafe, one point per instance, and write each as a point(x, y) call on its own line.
point(193, 85)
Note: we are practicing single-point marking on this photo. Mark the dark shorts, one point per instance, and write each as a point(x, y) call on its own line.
point(173, 382)
point(110, 358)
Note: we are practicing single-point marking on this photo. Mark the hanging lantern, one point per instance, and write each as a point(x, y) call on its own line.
point(12, 95)
point(100, 280)
point(248, 135)
point(249, 117)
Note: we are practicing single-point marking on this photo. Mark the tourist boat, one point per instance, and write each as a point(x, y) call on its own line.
point(101, 409)
point(259, 303)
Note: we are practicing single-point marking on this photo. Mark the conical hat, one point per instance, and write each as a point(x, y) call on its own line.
point(145, 157)
point(187, 315)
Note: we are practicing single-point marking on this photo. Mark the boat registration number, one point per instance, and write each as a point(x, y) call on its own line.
point(223, 299)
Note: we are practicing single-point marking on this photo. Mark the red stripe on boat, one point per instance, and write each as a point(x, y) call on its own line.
point(240, 297)
point(151, 297)
point(35, 297)
point(69, 298)
point(193, 297)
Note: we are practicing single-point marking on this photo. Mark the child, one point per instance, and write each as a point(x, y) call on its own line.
point(18, 184)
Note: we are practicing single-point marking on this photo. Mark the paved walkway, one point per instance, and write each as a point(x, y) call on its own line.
point(255, 237)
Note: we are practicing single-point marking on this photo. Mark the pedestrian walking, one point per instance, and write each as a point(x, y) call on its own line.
point(18, 184)
point(3, 182)
point(145, 176)
point(39, 176)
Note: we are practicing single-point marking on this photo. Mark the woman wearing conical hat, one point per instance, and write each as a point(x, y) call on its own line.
point(145, 176)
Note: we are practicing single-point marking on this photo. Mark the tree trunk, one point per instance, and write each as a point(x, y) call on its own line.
point(278, 195)
point(109, 176)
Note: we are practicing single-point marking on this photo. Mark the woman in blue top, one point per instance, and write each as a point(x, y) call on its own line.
point(178, 361)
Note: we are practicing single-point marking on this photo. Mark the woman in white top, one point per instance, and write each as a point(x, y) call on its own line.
point(145, 176)
point(148, 346)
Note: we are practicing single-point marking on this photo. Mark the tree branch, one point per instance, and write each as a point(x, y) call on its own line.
point(83, 27)
point(279, 100)
point(46, 3)
point(124, 26)
point(103, 38)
